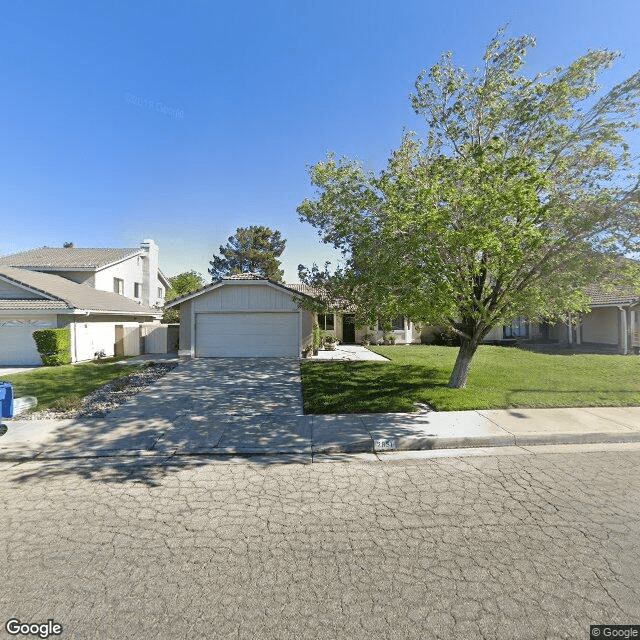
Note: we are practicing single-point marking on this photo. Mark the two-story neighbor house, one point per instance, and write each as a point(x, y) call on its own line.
point(103, 295)
point(132, 273)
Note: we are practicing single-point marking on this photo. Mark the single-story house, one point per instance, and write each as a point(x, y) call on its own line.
point(612, 324)
point(99, 321)
point(246, 315)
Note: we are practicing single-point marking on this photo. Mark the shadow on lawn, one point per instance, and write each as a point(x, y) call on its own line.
point(233, 408)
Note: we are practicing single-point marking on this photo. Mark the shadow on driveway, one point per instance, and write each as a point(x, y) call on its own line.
point(232, 407)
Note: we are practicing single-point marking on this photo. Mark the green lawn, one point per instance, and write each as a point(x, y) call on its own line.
point(500, 378)
point(65, 385)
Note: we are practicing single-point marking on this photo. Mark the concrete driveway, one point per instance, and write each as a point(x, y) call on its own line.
point(234, 405)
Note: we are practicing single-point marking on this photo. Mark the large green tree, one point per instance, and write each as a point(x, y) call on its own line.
point(180, 284)
point(523, 192)
point(253, 249)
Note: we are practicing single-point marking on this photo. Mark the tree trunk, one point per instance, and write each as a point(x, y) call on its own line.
point(460, 373)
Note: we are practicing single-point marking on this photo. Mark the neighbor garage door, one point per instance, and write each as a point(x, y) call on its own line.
point(17, 346)
point(247, 335)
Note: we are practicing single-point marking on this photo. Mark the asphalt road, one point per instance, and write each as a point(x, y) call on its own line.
point(529, 546)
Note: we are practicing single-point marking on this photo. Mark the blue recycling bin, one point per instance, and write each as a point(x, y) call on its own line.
point(6, 400)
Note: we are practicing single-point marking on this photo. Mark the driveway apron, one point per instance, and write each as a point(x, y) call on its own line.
point(237, 405)
point(232, 405)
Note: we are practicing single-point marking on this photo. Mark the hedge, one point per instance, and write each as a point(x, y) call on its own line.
point(54, 346)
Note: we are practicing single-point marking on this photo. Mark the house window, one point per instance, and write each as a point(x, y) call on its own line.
point(137, 290)
point(160, 294)
point(325, 321)
point(517, 329)
point(118, 286)
point(398, 323)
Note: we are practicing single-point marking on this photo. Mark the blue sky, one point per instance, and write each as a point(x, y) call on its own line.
point(180, 121)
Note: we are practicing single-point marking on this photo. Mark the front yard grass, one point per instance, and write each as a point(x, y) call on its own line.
point(62, 386)
point(500, 378)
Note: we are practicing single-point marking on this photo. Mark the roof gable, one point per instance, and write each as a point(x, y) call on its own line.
point(240, 278)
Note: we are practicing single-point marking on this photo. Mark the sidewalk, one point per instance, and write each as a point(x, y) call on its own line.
point(267, 434)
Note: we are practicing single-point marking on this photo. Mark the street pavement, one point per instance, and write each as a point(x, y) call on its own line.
point(254, 406)
point(417, 545)
point(193, 512)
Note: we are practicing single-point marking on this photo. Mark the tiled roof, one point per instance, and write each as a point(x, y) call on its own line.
point(617, 295)
point(307, 289)
point(53, 258)
point(31, 305)
point(244, 276)
point(76, 296)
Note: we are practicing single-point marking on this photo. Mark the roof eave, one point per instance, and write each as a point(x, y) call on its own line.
point(627, 303)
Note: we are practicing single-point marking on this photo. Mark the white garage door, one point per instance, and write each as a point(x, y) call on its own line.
point(246, 335)
point(17, 346)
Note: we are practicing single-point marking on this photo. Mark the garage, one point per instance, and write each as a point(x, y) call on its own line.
point(243, 316)
point(247, 335)
point(17, 346)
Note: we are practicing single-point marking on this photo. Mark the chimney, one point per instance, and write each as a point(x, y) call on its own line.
point(149, 272)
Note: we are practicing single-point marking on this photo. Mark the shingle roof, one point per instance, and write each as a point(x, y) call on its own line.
point(32, 305)
point(617, 295)
point(53, 258)
point(74, 295)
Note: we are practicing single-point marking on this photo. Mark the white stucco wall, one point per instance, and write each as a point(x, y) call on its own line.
point(129, 270)
point(91, 337)
point(134, 270)
point(601, 326)
point(94, 336)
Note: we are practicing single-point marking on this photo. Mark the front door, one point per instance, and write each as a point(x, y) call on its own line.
point(348, 328)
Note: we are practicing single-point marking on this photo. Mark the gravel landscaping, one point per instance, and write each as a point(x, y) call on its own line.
point(100, 402)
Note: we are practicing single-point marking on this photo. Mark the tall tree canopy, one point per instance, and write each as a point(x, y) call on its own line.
point(251, 250)
point(523, 192)
point(180, 284)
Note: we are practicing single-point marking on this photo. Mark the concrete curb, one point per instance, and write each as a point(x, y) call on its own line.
point(402, 444)
point(330, 435)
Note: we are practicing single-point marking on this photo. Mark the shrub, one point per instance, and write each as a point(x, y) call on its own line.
point(447, 338)
point(317, 337)
point(54, 346)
